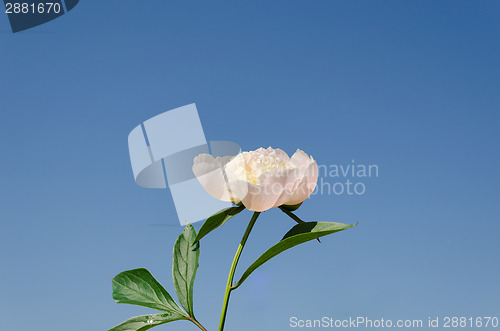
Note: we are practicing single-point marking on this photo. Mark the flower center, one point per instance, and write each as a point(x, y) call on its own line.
point(249, 166)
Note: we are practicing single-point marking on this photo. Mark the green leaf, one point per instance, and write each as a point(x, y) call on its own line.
point(217, 219)
point(184, 267)
point(146, 322)
point(139, 287)
point(297, 235)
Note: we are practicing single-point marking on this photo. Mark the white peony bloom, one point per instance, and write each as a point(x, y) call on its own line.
point(260, 179)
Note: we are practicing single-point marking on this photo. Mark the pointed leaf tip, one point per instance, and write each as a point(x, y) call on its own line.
point(139, 287)
point(218, 219)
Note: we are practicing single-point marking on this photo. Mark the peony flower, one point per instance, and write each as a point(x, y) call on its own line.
point(260, 179)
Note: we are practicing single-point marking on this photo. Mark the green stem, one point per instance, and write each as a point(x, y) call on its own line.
point(192, 319)
point(292, 215)
point(233, 268)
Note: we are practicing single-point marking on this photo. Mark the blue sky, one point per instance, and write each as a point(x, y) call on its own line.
point(410, 86)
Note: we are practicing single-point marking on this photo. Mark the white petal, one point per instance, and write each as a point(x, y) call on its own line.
point(300, 160)
point(281, 181)
point(209, 172)
point(299, 193)
point(304, 186)
point(254, 197)
point(311, 173)
point(282, 155)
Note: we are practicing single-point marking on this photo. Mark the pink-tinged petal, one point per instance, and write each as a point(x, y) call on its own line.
point(209, 172)
point(299, 193)
point(255, 197)
point(305, 187)
point(300, 160)
point(282, 155)
point(311, 173)
point(283, 176)
point(281, 181)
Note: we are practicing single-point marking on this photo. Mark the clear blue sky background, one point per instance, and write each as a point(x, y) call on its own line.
point(412, 86)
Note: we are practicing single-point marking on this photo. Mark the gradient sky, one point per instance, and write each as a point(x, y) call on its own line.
point(412, 86)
